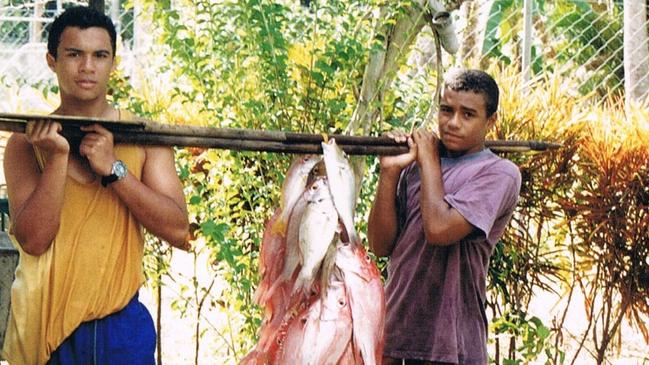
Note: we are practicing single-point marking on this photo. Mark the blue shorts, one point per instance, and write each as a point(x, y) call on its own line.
point(126, 337)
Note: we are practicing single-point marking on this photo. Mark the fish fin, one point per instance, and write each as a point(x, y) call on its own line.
point(302, 285)
point(260, 293)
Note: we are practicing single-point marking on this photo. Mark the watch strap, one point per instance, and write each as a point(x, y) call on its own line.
point(105, 180)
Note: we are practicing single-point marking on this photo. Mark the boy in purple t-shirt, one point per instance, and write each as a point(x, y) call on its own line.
point(439, 210)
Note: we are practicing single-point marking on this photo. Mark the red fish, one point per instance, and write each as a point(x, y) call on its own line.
point(367, 300)
point(320, 334)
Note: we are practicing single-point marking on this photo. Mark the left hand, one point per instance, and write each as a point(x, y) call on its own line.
point(427, 144)
point(97, 146)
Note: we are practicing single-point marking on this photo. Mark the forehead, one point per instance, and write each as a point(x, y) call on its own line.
point(466, 99)
point(89, 39)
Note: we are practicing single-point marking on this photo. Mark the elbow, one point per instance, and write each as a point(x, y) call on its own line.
point(34, 243)
point(179, 237)
point(437, 237)
point(34, 247)
point(380, 249)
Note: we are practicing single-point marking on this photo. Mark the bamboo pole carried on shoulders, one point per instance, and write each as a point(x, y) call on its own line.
point(151, 133)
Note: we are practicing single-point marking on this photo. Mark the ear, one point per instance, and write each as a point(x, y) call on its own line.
point(51, 61)
point(491, 121)
point(113, 67)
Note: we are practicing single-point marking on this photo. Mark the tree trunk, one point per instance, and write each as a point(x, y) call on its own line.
point(381, 67)
point(636, 54)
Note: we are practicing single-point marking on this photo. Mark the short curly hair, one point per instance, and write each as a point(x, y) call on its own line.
point(476, 81)
point(82, 17)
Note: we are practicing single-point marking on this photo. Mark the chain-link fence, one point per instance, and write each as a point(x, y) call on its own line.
point(578, 39)
point(23, 35)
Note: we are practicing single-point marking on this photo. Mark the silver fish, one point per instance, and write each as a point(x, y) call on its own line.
point(293, 187)
point(342, 186)
point(317, 232)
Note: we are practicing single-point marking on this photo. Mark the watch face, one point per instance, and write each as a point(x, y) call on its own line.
point(119, 169)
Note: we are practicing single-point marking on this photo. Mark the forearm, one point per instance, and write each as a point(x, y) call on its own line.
point(36, 223)
point(383, 221)
point(435, 211)
point(159, 214)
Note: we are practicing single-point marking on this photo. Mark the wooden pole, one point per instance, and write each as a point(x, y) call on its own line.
point(150, 133)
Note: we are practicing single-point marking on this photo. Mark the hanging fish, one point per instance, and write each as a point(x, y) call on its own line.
point(321, 293)
point(321, 333)
point(318, 230)
point(342, 186)
point(293, 186)
point(271, 259)
point(367, 300)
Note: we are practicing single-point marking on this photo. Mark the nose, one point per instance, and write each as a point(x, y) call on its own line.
point(88, 64)
point(453, 121)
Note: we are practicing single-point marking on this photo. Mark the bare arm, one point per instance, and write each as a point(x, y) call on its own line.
point(382, 227)
point(35, 197)
point(157, 201)
point(443, 224)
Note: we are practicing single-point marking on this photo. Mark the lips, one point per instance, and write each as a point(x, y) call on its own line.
point(451, 136)
point(86, 84)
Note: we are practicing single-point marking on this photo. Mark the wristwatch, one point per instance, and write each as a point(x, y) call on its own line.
point(117, 172)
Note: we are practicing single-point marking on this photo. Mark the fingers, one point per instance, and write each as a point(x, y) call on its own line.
point(41, 129)
point(45, 135)
point(96, 138)
point(96, 128)
point(423, 135)
point(398, 135)
point(97, 146)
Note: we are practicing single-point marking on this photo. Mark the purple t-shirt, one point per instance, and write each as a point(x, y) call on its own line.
point(436, 294)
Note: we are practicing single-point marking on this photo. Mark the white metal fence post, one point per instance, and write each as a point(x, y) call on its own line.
point(527, 40)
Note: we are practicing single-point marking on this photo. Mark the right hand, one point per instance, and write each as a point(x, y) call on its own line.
point(45, 135)
point(399, 162)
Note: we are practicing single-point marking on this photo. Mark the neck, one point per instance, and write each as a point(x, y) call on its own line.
point(92, 109)
point(455, 154)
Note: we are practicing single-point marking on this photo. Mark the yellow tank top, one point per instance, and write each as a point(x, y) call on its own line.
point(92, 269)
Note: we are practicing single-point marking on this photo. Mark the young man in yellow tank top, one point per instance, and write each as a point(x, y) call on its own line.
point(78, 209)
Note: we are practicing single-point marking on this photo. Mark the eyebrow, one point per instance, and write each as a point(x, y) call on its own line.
point(72, 49)
point(467, 109)
point(462, 107)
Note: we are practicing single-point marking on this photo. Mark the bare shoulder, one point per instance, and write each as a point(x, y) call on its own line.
point(158, 154)
point(16, 140)
point(159, 166)
point(18, 149)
